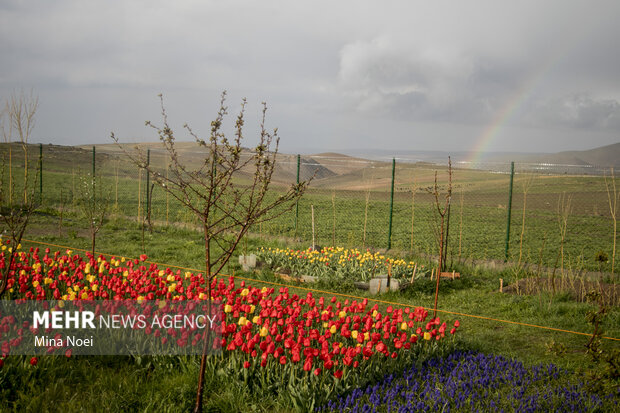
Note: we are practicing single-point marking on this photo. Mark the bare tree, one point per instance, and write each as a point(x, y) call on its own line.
point(225, 205)
point(443, 233)
point(413, 191)
point(93, 198)
point(527, 183)
point(21, 110)
point(564, 211)
point(612, 196)
point(17, 119)
point(368, 187)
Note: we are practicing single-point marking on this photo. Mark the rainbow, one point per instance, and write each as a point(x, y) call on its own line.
point(516, 101)
point(491, 131)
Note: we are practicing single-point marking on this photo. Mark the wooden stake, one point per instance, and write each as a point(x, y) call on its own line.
point(432, 272)
point(116, 186)
point(167, 193)
point(313, 239)
point(501, 285)
point(413, 275)
point(139, 194)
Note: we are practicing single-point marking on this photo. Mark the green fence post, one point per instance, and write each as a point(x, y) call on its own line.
point(509, 207)
point(40, 174)
point(148, 181)
point(297, 201)
point(389, 245)
point(93, 179)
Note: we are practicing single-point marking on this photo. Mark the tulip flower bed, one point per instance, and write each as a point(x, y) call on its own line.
point(337, 263)
point(467, 381)
point(317, 345)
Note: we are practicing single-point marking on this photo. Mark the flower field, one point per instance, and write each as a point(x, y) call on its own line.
point(338, 263)
point(314, 352)
point(319, 345)
point(468, 381)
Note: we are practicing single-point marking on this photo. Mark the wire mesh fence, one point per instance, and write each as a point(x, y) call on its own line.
point(558, 216)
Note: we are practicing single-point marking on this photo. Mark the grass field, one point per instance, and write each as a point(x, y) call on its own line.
point(351, 201)
point(477, 228)
point(168, 383)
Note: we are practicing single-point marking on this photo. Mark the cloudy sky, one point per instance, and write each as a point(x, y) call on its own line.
point(395, 75)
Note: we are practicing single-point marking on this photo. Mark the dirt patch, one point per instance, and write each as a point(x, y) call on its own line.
point(577, 288)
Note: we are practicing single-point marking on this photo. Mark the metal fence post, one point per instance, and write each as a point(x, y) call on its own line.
point(509, 207)
point(40, 173)
point(93, 179)
point(389, 245)
point(148, 188)
point(297, 201)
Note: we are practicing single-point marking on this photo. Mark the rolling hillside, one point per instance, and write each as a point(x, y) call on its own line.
point(604, 156)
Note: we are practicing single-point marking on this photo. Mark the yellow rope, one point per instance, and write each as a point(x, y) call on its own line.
point(333, 293)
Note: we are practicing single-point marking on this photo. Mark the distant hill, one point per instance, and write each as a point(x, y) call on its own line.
point(331, 169)
point(193, 155)
point(586, 161)
point(604, 156)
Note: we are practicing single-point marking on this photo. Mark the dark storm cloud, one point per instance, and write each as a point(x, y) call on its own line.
point(331, 71)
point(579, 111)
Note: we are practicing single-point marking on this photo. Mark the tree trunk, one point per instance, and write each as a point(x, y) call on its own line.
point(203, 360)
point(439, 267)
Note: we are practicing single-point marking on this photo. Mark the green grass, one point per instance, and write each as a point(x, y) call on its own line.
point(168, 383)
point(475, 293)
point(477, 228)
